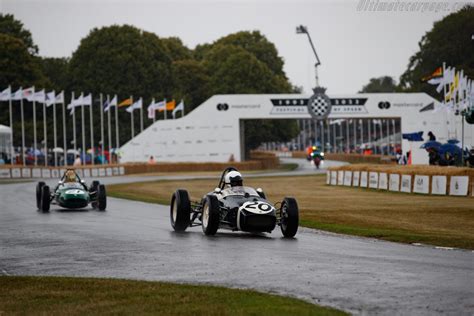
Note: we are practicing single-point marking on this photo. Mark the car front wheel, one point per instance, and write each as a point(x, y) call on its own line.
point(210, 215)
point(289, 217)
point(180, 210)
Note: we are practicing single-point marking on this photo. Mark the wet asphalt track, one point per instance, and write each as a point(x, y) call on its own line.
point(135, 240)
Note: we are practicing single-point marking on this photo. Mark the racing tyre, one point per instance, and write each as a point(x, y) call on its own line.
point(39, 186)
point(180, 210)
point(289, 215)
point(101, 197)
point(45, 198)
point(210, 215)
point(94, 187)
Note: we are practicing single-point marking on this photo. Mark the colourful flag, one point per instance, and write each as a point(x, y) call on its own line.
point(125, 102)
point(28, 94)
point(436, 74)
point(169, 106)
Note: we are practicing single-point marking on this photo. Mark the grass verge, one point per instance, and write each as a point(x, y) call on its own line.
point(89, 296)
point(437, 220)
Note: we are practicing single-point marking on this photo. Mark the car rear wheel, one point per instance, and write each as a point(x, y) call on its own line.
point(210, 215)
point(289, 217)
point(180, 210)
point(45, 198)
point(101, 197)
point(93, 192)
point(39, 186)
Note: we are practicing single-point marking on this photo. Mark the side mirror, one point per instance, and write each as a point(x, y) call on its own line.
point(217, 191)
point(259, 190)
point(60, 182)
point(82, 181)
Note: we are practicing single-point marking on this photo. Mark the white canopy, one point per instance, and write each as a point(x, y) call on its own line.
point(5, 130)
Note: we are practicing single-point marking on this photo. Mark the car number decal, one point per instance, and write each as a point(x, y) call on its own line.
point(257, 207)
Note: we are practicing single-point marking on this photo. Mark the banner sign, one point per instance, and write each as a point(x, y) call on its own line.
point(46, 173)
point(55, 173)
point(348, 178)
point(340, 177)
point(394, 183)
point(121, 170)
point(406, 183)
point(4, 173)
point(333, 177)
point(328, 177)
point(16, 173)
point(373, 180)
point(355, 178)
point(87, 173)
point(458, 185)
point(383, 181)
point(438, 185)
point(421, 184)
point(94, 172)
point(363, 179)
point(36, 173)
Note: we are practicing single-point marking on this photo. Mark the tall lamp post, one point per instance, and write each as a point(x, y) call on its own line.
point(304, 30)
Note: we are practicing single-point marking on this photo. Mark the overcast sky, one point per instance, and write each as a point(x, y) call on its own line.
point(354, 46)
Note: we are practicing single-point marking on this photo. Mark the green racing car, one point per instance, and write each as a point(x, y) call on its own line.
point(72, 193)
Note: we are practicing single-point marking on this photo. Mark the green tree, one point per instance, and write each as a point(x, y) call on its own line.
point(381, 84)
point(10, 26)
point(56, 70)
point(121, 58)
point(190, 82)
point(17, 66)
point(450, 41)
point(175, 49)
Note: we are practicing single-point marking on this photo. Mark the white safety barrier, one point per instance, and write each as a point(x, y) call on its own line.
point(438, 185)
point(383, 181)
point(348, 178)
point(373, 180)
point(364, 179)
point(54, 173)
point(394, 184)
point(356, 179)
point(421, 184)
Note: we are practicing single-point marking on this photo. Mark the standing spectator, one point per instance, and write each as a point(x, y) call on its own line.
point(77, 161)
point(431, 136)
point(151, 160)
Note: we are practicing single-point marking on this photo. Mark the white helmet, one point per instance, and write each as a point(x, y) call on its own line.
point(233, 178)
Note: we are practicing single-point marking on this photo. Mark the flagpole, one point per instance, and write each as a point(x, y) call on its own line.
point(83, 127)
point(12, 149)
point(74, 125)
point(102, 126)
point(109, 131)
point(92, 131)
point(165, 108)
point(154, 111)
point(117, 136)
point(64, 130)
point(22, 129)
point(182, 111)
point(55, 138)
point(131, 117)
point(45, 135)
point(34, 127)
point(141, 116)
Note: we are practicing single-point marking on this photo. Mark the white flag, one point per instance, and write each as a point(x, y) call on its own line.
point(179, 107)
point(38, 96)
point(50, 98)
point(75, 102)
point(18, 95)
point(60, 98)
point(114, 101)
point(155, 106)
point(87, 100)
point(6, 94)
point(448, 78)
point(134, 106)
